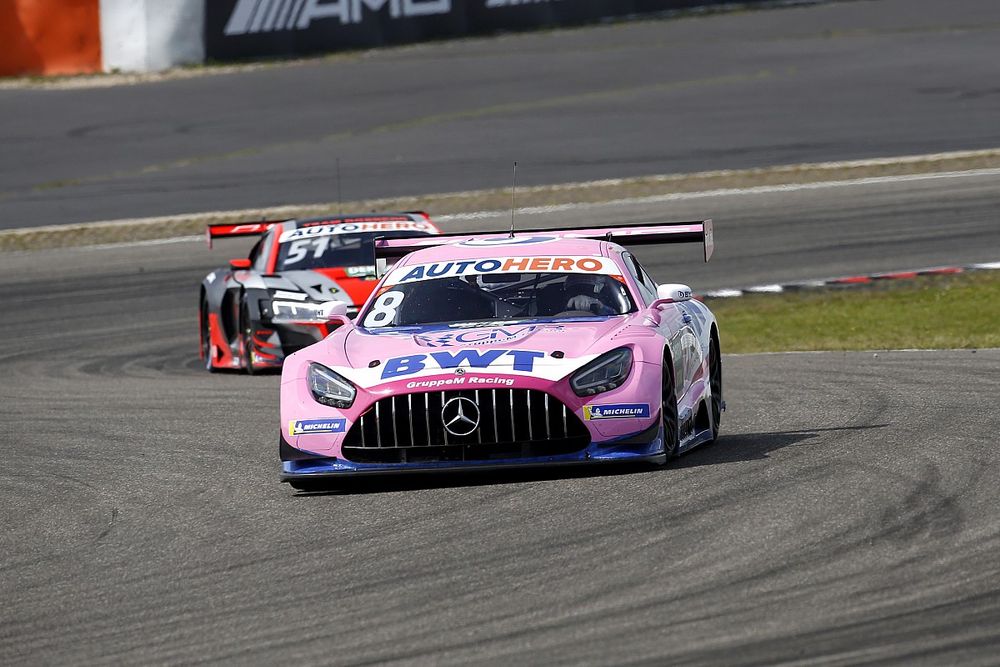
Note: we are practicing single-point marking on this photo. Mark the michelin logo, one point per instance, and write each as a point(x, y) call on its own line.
point(618, 411)
point(256, 16)
point(310, 426)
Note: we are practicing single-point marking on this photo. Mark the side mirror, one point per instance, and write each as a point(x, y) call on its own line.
point(673, 293)
point(668, 293)
point(335, 312)
point(240, 264)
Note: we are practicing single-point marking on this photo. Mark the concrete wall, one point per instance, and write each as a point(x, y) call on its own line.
point(150, 35)
point(249, 29)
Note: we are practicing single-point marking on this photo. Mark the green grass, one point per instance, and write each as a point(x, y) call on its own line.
point(960, 311)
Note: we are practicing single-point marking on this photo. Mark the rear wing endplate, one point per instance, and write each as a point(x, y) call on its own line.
point(698, 231)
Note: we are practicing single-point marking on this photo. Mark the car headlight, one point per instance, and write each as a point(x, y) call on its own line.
point(329, 388)
point(604, 373)
point(296, 311)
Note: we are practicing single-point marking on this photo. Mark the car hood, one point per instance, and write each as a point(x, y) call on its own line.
point(543, 350)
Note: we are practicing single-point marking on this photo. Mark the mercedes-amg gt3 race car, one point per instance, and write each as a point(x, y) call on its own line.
point(258, 310)
point(490, 351)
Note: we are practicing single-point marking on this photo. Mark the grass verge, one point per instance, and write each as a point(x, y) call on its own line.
point(959, 311)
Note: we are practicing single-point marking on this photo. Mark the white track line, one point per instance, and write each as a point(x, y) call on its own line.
point(723, 192)
point(875, 352)
point(149, 242)
point(651, 199)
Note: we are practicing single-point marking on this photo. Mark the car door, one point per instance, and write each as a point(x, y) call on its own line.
point(677, 326)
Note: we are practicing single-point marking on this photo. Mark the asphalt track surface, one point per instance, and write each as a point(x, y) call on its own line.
point(846, 516)
point(828, 82)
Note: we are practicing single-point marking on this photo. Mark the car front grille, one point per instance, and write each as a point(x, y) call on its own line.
point(513, 423)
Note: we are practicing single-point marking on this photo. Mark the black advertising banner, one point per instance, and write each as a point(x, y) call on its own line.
point(252, 28)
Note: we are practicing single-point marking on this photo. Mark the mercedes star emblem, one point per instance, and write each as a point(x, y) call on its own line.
point(460, 416)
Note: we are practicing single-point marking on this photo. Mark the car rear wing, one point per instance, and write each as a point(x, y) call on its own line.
point(258, 228)
point(233, 230)
point(698, 231)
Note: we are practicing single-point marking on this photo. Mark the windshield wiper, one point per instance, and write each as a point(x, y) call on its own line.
point(472, 324)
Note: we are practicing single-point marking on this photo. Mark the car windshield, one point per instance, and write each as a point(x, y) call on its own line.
point(460, 301)
point(333, 250)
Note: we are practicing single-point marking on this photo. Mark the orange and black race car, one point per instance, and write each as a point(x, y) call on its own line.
point(258, 310)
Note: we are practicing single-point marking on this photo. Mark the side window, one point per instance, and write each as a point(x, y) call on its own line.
point(647, 288)
point(652, 284)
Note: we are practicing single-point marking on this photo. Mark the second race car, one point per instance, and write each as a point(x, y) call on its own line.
point(256, 311)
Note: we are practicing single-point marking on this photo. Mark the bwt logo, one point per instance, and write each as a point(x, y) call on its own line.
point(523, 361)
point(255, 16)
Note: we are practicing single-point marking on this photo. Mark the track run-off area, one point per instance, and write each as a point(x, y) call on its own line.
point(847, 515)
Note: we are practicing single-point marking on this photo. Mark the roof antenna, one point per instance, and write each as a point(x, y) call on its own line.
point(340, 202)
point(513, 192)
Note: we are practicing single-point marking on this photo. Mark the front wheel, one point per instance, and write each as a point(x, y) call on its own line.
point(206, 338)
point(668, 411)
point(715, 383)
point(246, 326)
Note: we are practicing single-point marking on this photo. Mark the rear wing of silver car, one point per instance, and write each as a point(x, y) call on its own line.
point(364, 222)
point(234, 230)
point(698, 231)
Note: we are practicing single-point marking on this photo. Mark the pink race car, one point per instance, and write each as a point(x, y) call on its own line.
point(485, 351)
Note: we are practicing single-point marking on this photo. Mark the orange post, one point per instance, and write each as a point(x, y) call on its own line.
point(49, 36)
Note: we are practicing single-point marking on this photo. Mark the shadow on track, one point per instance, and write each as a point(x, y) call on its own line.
point(466, 478)
point(756, 446)
point(728, 449)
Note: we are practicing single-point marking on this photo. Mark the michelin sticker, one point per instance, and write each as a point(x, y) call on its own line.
point(571, 264)
point(616, 411)
point(310, 426)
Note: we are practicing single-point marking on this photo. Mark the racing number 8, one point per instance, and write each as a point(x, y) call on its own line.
point(383, 311)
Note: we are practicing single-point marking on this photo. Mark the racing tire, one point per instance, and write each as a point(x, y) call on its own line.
point(668, 411)
point(715, 383)
point(246, 329)
point(206, 338)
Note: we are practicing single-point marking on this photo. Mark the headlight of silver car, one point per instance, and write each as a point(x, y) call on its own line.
point(329, 388)
point(604, 373)
point(283, 312)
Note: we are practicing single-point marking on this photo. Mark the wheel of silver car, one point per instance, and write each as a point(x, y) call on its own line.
point(715, 382)
point(668, 410)
point(246, 326)
point(206, 338)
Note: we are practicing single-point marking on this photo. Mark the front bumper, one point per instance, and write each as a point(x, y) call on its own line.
point(646, 445)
